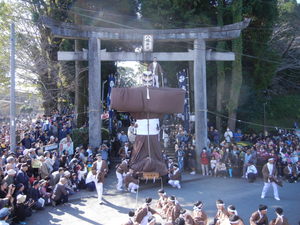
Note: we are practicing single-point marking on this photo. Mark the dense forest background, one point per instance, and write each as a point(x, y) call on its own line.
point(264, 80)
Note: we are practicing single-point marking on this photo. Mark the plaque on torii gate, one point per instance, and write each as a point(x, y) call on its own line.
point(199, 55)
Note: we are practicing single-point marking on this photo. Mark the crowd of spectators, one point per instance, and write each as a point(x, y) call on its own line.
point(45, 168)
point(234, 154)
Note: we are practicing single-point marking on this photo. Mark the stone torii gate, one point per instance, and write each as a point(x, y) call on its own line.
point(199, 55)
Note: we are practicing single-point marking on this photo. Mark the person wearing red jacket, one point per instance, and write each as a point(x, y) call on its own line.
point(204, 160)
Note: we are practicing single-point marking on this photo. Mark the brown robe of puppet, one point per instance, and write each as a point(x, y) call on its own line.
point(147, 103)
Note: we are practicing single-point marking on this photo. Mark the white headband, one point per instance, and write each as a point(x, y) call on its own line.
point(198, 208)
point(233, 211)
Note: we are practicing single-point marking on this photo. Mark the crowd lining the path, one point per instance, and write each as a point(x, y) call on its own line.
point(34, 176)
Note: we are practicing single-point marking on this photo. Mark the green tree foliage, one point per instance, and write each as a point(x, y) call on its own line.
point(5, 21)
point(285, 40)
point(262, 63)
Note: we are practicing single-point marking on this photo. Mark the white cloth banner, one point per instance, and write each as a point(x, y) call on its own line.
point(142, 127)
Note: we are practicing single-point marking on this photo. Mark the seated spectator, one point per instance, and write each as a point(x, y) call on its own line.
point(45, 194)
point(10, 177)
point(60, 193)
point(44, 169)
point(68, 185)
point(74, 182)
point(221, 169)
point(290, 173)
point(22, 177)
point(4, 214)
point(213, 163)
point(297, 167)
point(55, 176)
point(251, 172)
point(81, 174)
point(175, 177)
point(22, 209)
point(89, 181)
point(34, 194)
point(19, 190)
point(6, 191)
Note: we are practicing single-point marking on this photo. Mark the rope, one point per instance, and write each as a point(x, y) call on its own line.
point(137, 195)
point(148, 138)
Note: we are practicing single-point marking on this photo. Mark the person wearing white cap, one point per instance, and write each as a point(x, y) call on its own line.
point(270, 172)
point(22, 209)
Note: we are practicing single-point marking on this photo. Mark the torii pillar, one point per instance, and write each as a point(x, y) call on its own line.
point(94, 87)
point(200, 98)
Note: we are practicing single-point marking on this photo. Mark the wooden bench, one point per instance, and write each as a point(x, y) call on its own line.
point(151, 176)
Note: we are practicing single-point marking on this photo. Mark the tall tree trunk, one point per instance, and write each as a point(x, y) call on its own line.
point(80, 86)
point(49, 90)
point(80, 78)
point(220, 69)
point(237, 76)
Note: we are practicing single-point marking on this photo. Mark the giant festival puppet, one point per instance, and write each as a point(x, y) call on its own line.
point(147, 104)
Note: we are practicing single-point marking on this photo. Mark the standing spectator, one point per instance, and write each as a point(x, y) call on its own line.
point(238, 136)
point(180, 156)
point(228, 135)
point(54, 129)
point(27, 142)
point(229, 167)
point(191, 155)
point(131, 133)
point(104, 151)
point(204, 160)
point(247, 158)
point(216, 137)
point(123, 138)
point(166, 138)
